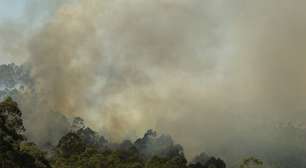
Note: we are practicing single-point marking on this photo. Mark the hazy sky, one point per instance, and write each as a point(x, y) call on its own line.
point(18, 20)
point(10, 11)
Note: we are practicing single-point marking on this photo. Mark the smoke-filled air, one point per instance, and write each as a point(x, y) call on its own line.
point(224, 78)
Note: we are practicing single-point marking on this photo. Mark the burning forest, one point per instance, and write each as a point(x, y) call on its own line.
point(152, 84)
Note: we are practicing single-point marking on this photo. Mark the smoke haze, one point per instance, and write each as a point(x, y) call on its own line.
point(208, 72)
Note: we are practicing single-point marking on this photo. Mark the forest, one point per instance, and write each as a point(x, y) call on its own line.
point(82, 147)
point(152, 84)
point(70, 143)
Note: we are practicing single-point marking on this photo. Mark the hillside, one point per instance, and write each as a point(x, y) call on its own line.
point(84, 148)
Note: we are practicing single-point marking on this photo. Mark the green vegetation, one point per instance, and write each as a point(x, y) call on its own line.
point(15, 154)
point(84, 148)
point(251, 162)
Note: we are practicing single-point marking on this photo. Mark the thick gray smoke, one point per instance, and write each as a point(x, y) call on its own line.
point(209, 72)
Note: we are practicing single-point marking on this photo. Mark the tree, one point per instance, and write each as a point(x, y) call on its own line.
point(11, 124)
point(162, 162)
point(204, 161)
point(13, 154)
point(35, 153)
point(251, 162)
point(11, 127)
point(70, 144)
point(77, 124)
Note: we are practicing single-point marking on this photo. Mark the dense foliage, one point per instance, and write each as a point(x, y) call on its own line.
point(84, 148)
point(15, 153)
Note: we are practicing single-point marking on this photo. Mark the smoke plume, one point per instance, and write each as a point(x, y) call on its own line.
point(209, 72)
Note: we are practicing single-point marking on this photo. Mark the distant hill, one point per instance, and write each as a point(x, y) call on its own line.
point(13, 75)
point(14, 78)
